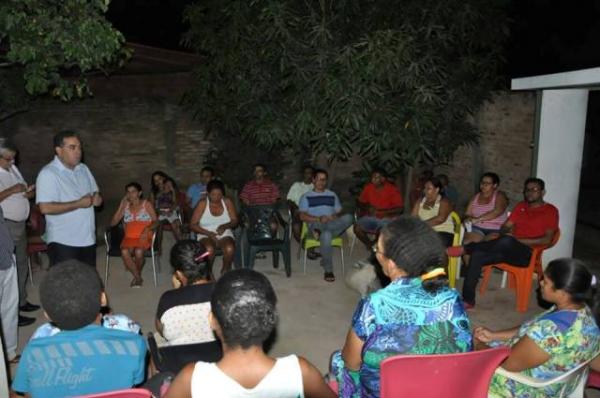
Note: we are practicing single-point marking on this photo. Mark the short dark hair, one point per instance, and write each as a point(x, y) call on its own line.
point(209, 169)
point(308, 167)
point(416, 248)
point(436, 182)
point(259, 165)
point(244, 305)
point(59, 138)
point(320, 171)
point(134, 184)
point(379, 170)
point(187, 257)
point(493, 176)
point(70, 294)
point(443, 179)
point(538, 181)
point(215, 184)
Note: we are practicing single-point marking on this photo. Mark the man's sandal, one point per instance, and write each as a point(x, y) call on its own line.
point(329, 277)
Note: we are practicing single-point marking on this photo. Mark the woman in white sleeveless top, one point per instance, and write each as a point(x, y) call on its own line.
point(435, 210)
point(213, 220)
point(243, 315)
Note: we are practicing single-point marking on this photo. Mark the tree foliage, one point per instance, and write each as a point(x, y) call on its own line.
point(394, 81)
point(49, 46)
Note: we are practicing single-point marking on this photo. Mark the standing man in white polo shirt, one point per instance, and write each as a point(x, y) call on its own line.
point(14, 200)
point(67, 194)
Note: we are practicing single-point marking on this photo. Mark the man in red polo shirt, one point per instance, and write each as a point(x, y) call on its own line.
point(532, 222)
point(379, 203)
point(261, 190)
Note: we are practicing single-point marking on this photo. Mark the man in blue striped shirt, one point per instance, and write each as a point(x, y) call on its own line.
point(321, 210)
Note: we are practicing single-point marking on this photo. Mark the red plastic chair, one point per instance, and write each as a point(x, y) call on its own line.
point(521, 278)
point(593, 379)
point(460, 375)
point(127, 393)
point(36, 227)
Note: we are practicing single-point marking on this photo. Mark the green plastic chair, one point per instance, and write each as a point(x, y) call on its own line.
point(309, 243)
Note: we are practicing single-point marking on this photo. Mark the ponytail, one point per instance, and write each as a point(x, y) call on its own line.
point(573, 276)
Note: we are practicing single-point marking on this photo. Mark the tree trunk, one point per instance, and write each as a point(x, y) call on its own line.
point(408, 176)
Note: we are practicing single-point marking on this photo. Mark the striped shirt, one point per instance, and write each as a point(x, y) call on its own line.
point(260, 193)
point(319, 204)
point(479, 209)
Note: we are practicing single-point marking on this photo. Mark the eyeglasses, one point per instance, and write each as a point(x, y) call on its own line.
point(9, 159)
point(376, 251)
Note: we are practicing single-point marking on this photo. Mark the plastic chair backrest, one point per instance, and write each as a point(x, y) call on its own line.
point(37, 221)
point(127, 393)
point(174, 358)
point(457, 228)
point(459, 375)
point(573, 381)
point(593, 379)
point(113, 238)
point(259, 222)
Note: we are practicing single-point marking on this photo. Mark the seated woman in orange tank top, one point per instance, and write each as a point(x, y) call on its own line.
point(140, 219)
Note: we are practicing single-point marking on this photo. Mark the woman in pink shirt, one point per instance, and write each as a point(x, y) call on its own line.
point(486, 210)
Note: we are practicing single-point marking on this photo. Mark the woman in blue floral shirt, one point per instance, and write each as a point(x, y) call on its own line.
point(553, 342)
point(415, 314)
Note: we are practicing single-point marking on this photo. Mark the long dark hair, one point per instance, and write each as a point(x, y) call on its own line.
point(573, 277)
point(153, 185)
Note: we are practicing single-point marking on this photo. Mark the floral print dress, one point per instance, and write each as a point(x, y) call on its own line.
point(570, 337)
point(402, 318)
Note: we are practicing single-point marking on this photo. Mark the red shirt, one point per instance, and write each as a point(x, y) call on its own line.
point(533, 222)
point(260, 193)
point(385, 198)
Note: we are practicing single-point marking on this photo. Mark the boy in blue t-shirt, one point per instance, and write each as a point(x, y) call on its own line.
point(84, 357)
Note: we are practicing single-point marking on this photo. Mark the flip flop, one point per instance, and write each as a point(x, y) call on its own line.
point(329, 277)
point(136, 283)
point(15, 360)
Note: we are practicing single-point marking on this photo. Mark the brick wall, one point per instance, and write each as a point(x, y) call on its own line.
point(505, 147)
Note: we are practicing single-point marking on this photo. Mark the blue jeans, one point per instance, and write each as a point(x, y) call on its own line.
point(372, 224)
point(330, 230)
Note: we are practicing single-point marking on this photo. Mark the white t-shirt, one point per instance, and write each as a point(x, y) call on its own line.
point(15, 206)
point(298, 189)
point(284, 380)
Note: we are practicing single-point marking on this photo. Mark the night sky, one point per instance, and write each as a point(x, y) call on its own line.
point(547, 36)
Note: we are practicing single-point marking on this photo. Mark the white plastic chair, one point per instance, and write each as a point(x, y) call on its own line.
point(576, 376)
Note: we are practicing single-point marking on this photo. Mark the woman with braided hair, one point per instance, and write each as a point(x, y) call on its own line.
point(417, 313)
point(182, 314)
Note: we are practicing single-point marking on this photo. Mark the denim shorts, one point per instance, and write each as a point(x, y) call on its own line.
point(484, 231)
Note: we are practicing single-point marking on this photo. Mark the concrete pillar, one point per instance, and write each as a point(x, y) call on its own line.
point(558, 159)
